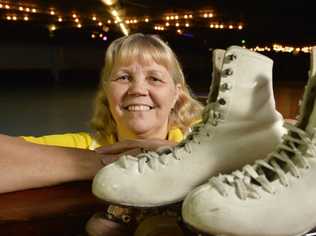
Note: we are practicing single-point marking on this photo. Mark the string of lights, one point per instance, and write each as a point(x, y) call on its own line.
point(282, 49)
point(167, 21)
point(178, 21)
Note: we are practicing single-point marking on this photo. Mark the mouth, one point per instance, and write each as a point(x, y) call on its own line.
point(138, 107)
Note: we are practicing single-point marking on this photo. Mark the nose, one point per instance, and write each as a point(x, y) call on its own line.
point(138, 86)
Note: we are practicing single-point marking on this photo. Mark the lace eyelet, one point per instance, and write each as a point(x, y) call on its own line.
point(232, 57)
point(226, 87)
point(228, 72)
point(221, 101)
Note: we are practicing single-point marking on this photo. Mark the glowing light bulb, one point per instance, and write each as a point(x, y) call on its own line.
point(109, 2)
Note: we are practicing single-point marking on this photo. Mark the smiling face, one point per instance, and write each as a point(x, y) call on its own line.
point(141, 96)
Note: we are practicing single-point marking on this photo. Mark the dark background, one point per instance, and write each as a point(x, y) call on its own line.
point(48, 79)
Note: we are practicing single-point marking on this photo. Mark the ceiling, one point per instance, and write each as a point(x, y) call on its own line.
point(287, 21)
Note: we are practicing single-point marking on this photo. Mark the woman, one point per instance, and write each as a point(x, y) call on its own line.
point(143, 103)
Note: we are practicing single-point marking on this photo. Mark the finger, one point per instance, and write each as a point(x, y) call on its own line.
point(134, 152)
point(118, 147)
point(108, 159)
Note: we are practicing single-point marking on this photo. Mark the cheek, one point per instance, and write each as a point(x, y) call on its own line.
point(165, 98)
point(115, 97)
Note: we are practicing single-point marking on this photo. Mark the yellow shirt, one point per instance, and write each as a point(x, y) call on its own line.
point(85, 140)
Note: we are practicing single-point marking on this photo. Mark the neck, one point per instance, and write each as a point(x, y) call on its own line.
point(151, 134)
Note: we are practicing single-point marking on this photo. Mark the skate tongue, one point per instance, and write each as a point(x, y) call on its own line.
point(311, 113)
point(217, 62)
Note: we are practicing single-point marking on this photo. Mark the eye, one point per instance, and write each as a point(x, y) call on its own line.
point(155, 79)
point(124, 77)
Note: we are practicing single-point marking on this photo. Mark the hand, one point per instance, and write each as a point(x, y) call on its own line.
point(98, 225)
point(131, 147)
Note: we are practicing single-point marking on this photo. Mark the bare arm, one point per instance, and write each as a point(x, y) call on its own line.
point(25, 165)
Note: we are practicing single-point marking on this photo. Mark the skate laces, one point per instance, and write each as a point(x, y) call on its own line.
point(161, 157)
point(291, 154)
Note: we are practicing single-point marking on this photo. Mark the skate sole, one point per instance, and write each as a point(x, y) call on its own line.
point(203, 233)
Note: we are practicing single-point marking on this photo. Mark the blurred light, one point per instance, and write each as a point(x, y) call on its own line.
point(146, 20)
point(1, 6)
point(243, 41)
point(179, 31)
point(230, 27)
point(7, 6)
point(210, 15)
point(123, 28)
point(185, 16)
point(79, 25)
point(52, 28)
point(190, 16)
point(172, 17)
point(105, 38)
point(26, 18)
point(101, 35)
point(60, 19)
point(14, 18)
point(167, 24)
point(114, 12)
point(52, 12)
point(221, 26)
point(105, 28)
point(177, 24)
point(74, 15)
point(34, 10)
point(76, 20)
point(187, 25)
point(205, 15)
point(240, 27)
point(109, 22)
point(27, 9)
point(109, 2)
point(100, 23)
point(167, 18)
point(9, 18)
point(93, 36)
point(176, 17)
point(94, 18)
point(20, 8)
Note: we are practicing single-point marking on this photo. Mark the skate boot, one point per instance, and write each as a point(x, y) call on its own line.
point(239, 125)
point(274, 196)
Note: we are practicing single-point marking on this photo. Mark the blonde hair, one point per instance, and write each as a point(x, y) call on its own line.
point(187, 109)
